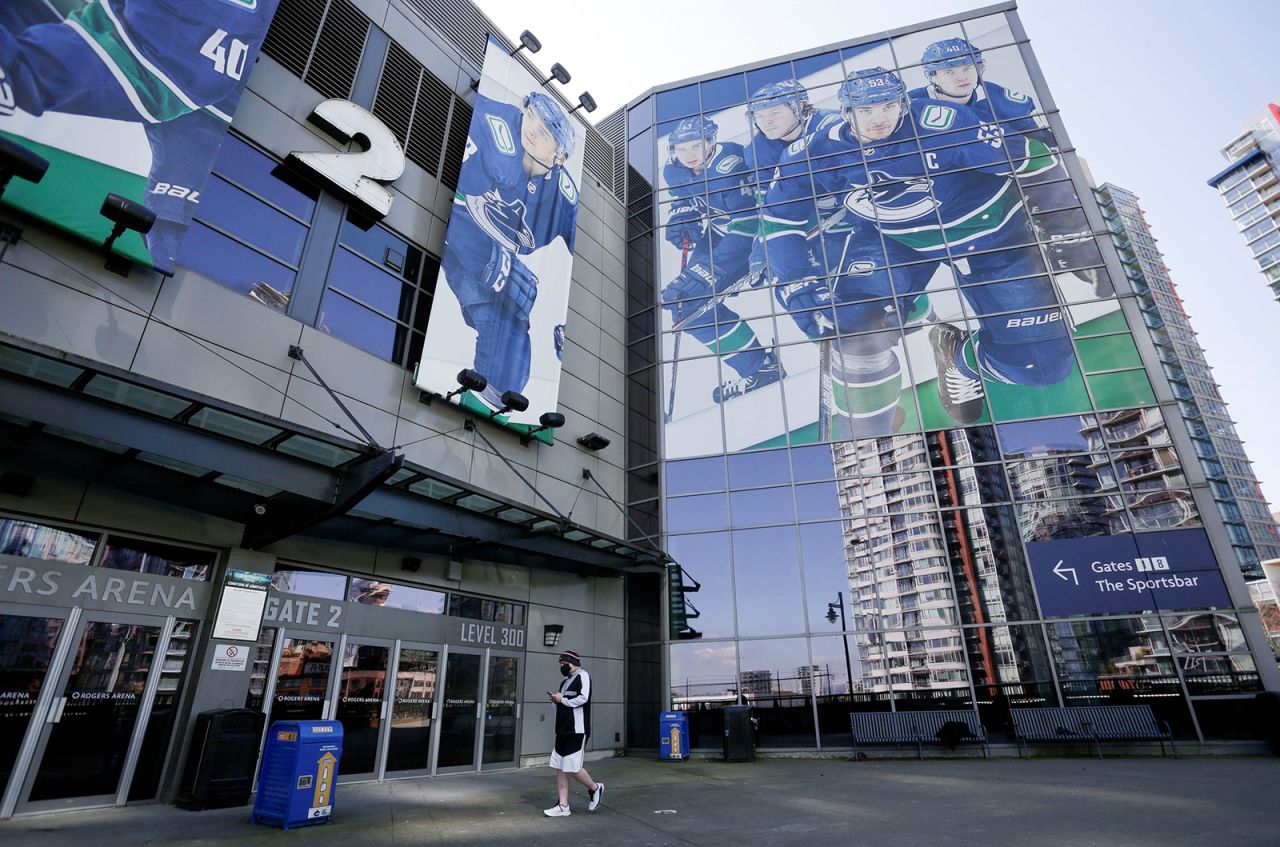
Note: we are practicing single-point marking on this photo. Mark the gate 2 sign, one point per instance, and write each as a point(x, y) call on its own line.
point(1150, 571)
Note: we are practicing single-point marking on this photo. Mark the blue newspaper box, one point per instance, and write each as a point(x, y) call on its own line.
point(299, 772)
point(673, 746)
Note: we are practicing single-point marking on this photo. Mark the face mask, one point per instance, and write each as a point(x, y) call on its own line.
point(564, 670)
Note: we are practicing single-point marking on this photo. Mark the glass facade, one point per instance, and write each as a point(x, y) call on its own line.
point(879, 364)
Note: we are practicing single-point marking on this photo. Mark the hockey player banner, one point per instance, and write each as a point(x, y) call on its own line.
point(503, 291)
point(882, 239)
point(127, 97)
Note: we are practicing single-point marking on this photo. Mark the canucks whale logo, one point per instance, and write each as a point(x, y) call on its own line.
point(890, 200)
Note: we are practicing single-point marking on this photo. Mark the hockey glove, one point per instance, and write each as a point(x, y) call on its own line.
point(688, 291)
point(507, 276)
point(809, 303)
point(687, 222)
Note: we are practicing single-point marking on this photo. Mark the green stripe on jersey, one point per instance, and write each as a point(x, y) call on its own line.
point(987, 218)
point(155, 101)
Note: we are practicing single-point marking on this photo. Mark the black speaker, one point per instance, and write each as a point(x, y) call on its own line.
point(411, 563)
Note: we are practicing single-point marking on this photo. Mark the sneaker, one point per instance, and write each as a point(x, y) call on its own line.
point(959, 390)
point(557, 811)
point(769, 372)
point(596, 796)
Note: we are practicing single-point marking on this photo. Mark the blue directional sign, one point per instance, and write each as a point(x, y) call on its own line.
point(1144, 572)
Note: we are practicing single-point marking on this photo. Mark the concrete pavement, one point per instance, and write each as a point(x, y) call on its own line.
point(1064, 802)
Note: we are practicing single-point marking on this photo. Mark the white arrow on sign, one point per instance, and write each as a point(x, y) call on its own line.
point(1061, 571)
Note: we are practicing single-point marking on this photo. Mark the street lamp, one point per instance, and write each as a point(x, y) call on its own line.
point(844, 638)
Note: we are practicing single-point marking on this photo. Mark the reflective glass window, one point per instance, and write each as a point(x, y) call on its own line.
point(153, 557)
point(704, 679)
point(777, 680)
point(237, 266)
point(676, 103)
point(371, 592)
point(705, 558)
point(1048, 437)
point(36, 541)
point(330, 586)
point(767, 581)
point(765, 467)
point(762, 506)
point(693, 475)
point(697, 512)
point(812, 463)
point(723, 92)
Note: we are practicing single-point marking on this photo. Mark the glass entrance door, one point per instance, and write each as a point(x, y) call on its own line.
point(413, 711)
point(460, 714)
point(29, 644)
point(300, 691)
point(362, 690)
point(501, 713)
point(92, 736)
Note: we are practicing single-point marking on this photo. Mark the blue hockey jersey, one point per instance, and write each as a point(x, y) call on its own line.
point(951, 186)
point(724, 184)
point(993, 102)
point(148, 61)
point(498, 201)
point(764, 153)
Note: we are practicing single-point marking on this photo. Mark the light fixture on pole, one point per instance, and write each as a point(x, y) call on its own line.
point(844, 637)
point(512, 401)
point(468, 380)
point(125, 214)
point(16, 160)
point(548, 420)
point(528, 41)
point(585, 101)
point(551, 634)
point(559, 74)
point(594, 441)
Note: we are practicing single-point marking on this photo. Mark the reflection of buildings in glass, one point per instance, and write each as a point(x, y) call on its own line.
point(899, 579)
point(1107, 658)
point(304, 667)
point(814, 679)
point(756, 683)
point(1265, 600)
point(1047, 483)
point(1147, 469)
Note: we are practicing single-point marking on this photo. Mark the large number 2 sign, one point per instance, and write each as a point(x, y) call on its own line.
point(358, 174)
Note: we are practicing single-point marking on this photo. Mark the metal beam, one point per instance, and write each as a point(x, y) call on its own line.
point(139, 431)
point(291, 515)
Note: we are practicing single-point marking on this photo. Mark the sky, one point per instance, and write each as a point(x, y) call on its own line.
point(1149, 92)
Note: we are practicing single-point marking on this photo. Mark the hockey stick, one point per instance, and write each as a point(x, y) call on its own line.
point(749, 280)
point(675, 352)
point(826, 392)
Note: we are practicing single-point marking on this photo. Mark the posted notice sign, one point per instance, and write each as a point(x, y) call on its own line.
point(244, 594)
point(1143, 572)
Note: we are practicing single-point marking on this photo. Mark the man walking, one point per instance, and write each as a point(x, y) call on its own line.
point(573, 726)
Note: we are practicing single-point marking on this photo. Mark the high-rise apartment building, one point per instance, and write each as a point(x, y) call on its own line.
point(1218, 447)
point(1250, 185)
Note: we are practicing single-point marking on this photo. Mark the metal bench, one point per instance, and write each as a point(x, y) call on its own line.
point(1091, 724)
point(918, 728)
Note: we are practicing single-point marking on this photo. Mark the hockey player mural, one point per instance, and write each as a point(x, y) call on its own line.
point(508, 249)
point(955, 70)
point(712, 221)
point(916, 262)
point(125, 96)
point(952, 202)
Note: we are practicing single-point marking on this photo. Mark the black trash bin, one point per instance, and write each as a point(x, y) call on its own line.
point(1269, 718)
point(739, 734)
point(221, 761)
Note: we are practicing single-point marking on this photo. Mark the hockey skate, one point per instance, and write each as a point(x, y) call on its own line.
point(769, 372)
point(959, 390)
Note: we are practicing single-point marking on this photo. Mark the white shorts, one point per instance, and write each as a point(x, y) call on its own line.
point(568, 752)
